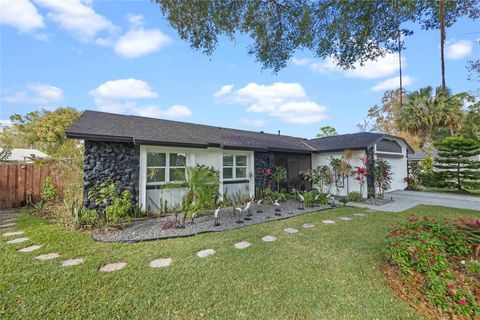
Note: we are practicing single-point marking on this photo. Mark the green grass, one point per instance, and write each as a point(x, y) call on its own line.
point(471, 192)
point(327, 272)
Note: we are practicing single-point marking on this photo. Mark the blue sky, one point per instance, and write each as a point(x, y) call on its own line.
point(121, 56)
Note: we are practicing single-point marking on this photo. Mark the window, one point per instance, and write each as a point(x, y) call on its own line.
point(234, 167)
point(165, 167)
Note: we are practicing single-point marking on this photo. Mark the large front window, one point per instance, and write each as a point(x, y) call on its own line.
point(234, 167)
point(165, 167)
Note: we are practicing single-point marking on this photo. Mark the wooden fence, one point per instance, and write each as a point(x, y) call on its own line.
point(21, 183)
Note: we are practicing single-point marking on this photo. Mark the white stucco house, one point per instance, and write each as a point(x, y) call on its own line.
point(26, 155)
point(149, 156)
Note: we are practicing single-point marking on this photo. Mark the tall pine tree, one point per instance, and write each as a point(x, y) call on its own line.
point(457, 165)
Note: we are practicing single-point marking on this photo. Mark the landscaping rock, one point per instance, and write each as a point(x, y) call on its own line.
point(269, 238)
point(30, 248)
point(308, 225)
point(72, 262)
point(160, 263)
point(290, 230)
point(345, 218)
point(328, 221)
point(48, 256)
point(15, 233)
point(8, 225)
point(242, 245)
point(371, 210)
point(205, 253)
point(113, 267)
point(18, 240)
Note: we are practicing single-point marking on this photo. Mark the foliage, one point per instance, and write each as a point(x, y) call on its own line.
point(5, 153)
point(115, 205)
point(471, 229)
point(382, 176)
point(454, 164)
point(473, 267)
point(327, 131)
point(320, 176)
point(49, 190)
point(309, 197)
point(278, 175)
point(471, 124)
point(335, 164)
point(349, 32)
point(354, 196)
point(321, 198)
point(80, 215)
point(426, 246)
point(360, 173)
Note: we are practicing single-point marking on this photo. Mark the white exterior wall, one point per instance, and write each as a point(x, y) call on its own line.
point(211, 157)
point(399, 167)
point(320, 159)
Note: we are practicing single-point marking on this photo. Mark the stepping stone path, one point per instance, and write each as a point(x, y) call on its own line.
point(72, 262)
point(369, 210)
point(242, 245)
point(15, 233)
point(18, 240)
point(113, 266)
point(269, 238)
point(308, 225)
point(345, 218)
point(290, 230)
point(8, 224)
point(328, 221)
point(205, 253)
point(30, 248)
point(48, 256)
point(160, 263)
point(359, 214)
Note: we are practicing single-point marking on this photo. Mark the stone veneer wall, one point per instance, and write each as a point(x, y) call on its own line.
point(111, 161)
point(263, 160)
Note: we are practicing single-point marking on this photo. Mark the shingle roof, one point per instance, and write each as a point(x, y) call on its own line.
point(115, 127)
point(96, 125)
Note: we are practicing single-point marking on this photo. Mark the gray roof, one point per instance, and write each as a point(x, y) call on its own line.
point(94, 125)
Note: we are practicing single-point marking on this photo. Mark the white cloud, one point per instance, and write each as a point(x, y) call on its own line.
point(458, 49)
point(20, 14)
point(5, 123)
point(380, 68)
point(285, 101)
point(224, 90)
point(256, 123)
point(36, 93)
point(392, 83)
point(120, 96)
point(77, 17)
point(138, 41)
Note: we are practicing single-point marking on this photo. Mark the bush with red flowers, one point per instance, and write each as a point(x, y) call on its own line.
point(427, 249)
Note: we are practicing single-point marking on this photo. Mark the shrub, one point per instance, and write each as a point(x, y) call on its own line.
point(117, 206)
point(354, 196)
point(49, 190)
point(426, 247)
point(382, 175)
point(89, 217)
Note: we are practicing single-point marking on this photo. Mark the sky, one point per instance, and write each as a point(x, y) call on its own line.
point(123, 57)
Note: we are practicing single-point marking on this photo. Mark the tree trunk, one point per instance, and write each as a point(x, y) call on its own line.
point(442, 43)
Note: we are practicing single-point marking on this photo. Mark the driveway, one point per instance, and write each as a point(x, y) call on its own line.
point(403, 200)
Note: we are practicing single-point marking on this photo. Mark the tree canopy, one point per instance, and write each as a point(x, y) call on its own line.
point(350, 31)
point(327, 131)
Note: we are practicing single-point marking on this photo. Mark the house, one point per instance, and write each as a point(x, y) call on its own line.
point(26, 155)
point(147, 156)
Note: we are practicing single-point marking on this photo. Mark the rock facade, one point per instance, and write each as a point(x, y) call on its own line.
point(111, 161)
point(263, 160)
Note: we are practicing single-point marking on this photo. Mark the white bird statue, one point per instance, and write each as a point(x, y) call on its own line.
point(302, 201)
point(239, 210)
point(194, 215)
point(259, 203)
point(277, 207)
point(247, 210)
point(217, 211)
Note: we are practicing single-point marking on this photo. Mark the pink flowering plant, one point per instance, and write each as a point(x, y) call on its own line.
point(429, 248)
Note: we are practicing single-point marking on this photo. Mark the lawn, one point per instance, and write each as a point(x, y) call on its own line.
point(326, 272)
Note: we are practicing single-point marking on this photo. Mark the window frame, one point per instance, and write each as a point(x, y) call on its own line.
point(167, 167)
point(234, 166)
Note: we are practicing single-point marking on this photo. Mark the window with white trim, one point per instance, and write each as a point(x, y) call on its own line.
point(234, 167)
point(165, 167)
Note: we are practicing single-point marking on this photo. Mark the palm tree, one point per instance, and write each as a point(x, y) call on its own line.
point(441, 17)
point(449, 109)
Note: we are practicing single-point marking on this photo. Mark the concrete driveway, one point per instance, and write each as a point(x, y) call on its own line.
point(403, 200)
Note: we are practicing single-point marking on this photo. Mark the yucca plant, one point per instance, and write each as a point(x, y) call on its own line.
point(471, 228)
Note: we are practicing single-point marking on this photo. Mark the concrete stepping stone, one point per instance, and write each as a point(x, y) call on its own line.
point(160, 263)
point(345, 218)
point(370, 210)
point(8, 225)
point(47, 256)
point(205, 253)
point(359, 214)
point(308, 225)
point(269, 238)
point(242, 245)
point(113, 266)
point(72, 262)
point(30, 248)
point(14, 233)
point(290, 230)
point(328, 221)
point(18, 240)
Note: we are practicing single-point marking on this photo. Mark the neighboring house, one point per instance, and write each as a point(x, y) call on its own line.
point(419, 155)
point(146, 155)
point(26, 155)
